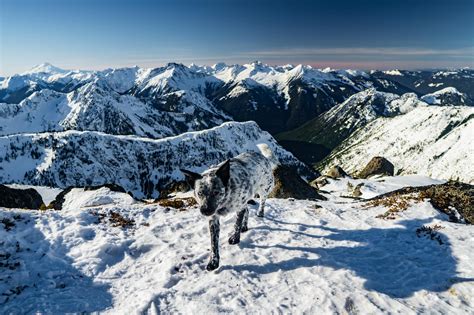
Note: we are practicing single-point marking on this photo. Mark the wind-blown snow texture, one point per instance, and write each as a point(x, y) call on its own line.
point(140, 165)
point(336, 259)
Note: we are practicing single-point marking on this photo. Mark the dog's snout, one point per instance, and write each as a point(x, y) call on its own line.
point(206, 211)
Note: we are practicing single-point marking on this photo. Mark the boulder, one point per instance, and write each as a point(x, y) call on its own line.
point(175, 187)
point(319, 182)
point(377, 166)
point(288, 184)
point(336, 172)
point(20, 198)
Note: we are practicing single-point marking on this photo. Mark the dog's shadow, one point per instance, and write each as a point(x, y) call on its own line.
point(394, 261)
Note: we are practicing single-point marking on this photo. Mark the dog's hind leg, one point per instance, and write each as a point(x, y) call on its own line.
point(214, 229)
point(235, 237)
point(245, 222)
point(261, 207)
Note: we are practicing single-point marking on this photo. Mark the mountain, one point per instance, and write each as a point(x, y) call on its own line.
point(328, 130)
point(97, 106)
point(140, 165)
point(429, 81)
point(446, 96)
point(435, 141)
point(279, 98)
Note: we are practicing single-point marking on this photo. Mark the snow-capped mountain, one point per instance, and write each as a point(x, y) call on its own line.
point(426, 82)
point(278, 98)
point(140, 165)
point(97, 106)
point(332, 127)
point(436, 141)
point(446, 96)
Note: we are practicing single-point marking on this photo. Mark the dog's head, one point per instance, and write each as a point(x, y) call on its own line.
point(210, 187)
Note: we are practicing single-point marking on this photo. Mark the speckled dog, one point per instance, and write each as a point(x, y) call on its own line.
point(228, 188)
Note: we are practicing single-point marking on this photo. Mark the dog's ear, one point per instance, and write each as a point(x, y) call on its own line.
point(191, 177)
point(224, 172)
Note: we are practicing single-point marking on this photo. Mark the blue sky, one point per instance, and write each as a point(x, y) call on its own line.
point(96, 34)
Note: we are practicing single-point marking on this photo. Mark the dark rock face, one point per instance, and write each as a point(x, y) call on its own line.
point(288, 184)
point(377, 166)
point(19, 198)
point(57, 203)
point(336, 172)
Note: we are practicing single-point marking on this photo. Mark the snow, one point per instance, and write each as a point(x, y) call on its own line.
point(436, 98)
point(393, 72)
point(338, 258)
point(435, 141)
point(48, 194)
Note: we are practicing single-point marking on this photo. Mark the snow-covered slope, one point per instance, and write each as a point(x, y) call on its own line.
point(436, 141)
point(332, 127)
point(446, 96)
point(140, 165)
point(336, 259)
point(96, 106)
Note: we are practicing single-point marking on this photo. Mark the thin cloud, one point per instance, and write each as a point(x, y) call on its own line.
point(363, 51)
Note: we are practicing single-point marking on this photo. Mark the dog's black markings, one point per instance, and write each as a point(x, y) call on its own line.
point(228, 188)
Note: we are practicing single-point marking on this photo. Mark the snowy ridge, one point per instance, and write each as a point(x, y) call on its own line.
point(140, 165)
point(446, 96)
point(96, 106)
point(335, 259)
point(435, 141)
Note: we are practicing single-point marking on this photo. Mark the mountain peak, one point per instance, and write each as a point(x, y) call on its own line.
point(45, 68)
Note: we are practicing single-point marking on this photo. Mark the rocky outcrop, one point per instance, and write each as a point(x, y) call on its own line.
point(288, 184)
point(336, 172)
point(377, 166)
point(453, 198)
point(19, 198)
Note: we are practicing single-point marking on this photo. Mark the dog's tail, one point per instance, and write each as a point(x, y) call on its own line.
point(267, 152)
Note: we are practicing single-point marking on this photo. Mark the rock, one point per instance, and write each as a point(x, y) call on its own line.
point(20, 198)
point(356, 192)
point(57, 203)
point(377, 166)
point(174, 187)
point(453, 198)
point(319, 182)
point(336, 172)
point(288, 184)
point(112, 187)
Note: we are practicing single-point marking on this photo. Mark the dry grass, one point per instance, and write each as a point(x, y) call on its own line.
point(178, 203)
point(113, 218)
point(431, 232)
point(395, 204)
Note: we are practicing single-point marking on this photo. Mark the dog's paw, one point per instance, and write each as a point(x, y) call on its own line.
point(213, 264)
point(233, 240)
point(244, 229)
point(260, 214)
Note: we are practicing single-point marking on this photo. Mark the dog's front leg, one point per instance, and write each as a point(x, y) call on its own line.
point(214, 228)
point(235, 237)
point(261, 207)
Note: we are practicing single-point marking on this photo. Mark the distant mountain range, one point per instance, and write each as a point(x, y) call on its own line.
point(314, 113)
